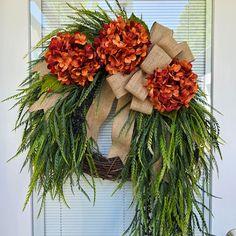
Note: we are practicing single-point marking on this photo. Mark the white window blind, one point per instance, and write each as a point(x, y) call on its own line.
point(191, 22)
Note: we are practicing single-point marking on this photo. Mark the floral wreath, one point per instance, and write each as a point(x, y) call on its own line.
point(163, 135)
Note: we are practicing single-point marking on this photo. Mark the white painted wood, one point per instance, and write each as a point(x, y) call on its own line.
point(224, 100)
point(14, 36)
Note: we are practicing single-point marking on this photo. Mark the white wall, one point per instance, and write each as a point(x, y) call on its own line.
point(13, 185)
point(225, 100)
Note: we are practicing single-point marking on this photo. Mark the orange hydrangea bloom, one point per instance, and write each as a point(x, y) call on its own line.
point(72, 59)
point(172, 87)
point(121, 46)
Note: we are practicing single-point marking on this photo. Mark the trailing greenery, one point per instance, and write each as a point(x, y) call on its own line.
point(168, 155)
point(57, 144)
point(168, 202)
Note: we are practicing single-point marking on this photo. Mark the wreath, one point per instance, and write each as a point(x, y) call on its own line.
point(163, 134)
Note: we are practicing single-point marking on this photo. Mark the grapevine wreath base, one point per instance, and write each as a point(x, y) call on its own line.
point(163, 134)
point(109, 169)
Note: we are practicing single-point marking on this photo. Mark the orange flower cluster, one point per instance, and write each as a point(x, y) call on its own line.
point(172, 87)
point(122, 45)
point(72, 59)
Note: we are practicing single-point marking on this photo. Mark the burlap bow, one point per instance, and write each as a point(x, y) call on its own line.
point(130, 91)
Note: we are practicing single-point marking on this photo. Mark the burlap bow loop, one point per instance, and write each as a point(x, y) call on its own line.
point(41, 68)
point(118, 83)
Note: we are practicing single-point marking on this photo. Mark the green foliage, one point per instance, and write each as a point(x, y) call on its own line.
point(56, 147)
point(45, 39)
point(168, 202)
point(133, 17)
point(50, 82)
point(55, 150)
point(90, 22)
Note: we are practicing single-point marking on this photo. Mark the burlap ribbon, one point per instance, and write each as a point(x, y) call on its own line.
point(46, 100)
point(130, 91)
point(41, 68)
